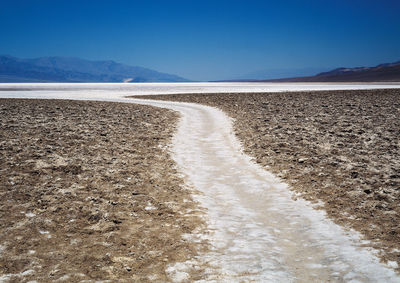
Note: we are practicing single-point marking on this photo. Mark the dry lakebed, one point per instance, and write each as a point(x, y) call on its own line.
point(89, 190)
point(339, 149)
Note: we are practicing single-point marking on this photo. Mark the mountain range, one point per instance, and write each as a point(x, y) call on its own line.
point(388, 72)
point(277, 73)
point(66, 69)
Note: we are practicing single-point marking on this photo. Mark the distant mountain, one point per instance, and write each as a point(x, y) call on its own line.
point(280, 73)
point(65, 69)
point(389, 72)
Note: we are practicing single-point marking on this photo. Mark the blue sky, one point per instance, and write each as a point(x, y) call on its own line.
point(206, 40)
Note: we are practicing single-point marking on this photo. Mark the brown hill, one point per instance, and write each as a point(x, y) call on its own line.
point(382, 73)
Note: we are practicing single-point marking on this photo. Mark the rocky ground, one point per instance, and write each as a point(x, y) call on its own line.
point(88, 192)
point(339, 149)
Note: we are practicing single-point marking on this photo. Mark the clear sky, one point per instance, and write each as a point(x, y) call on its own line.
point(206, 40)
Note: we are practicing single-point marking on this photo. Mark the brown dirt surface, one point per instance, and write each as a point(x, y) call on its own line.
point(337, 148)
point(89, 192)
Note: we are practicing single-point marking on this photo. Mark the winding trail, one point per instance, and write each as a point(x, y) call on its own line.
point(257, 231)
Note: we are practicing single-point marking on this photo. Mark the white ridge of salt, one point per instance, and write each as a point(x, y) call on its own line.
point(30, 214)
point(12, 276)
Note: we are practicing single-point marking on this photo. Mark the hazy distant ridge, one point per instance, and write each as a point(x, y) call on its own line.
point(65, 69)
point(388, 72)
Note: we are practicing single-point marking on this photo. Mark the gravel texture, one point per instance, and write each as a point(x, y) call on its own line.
point(88, 192)
point(339, 149)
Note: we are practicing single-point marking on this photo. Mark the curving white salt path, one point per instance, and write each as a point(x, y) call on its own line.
point(258, 233)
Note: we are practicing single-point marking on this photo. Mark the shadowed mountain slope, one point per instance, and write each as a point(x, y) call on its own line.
point(65, 69)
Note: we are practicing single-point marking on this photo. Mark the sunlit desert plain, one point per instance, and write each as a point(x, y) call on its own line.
point(199, 181)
